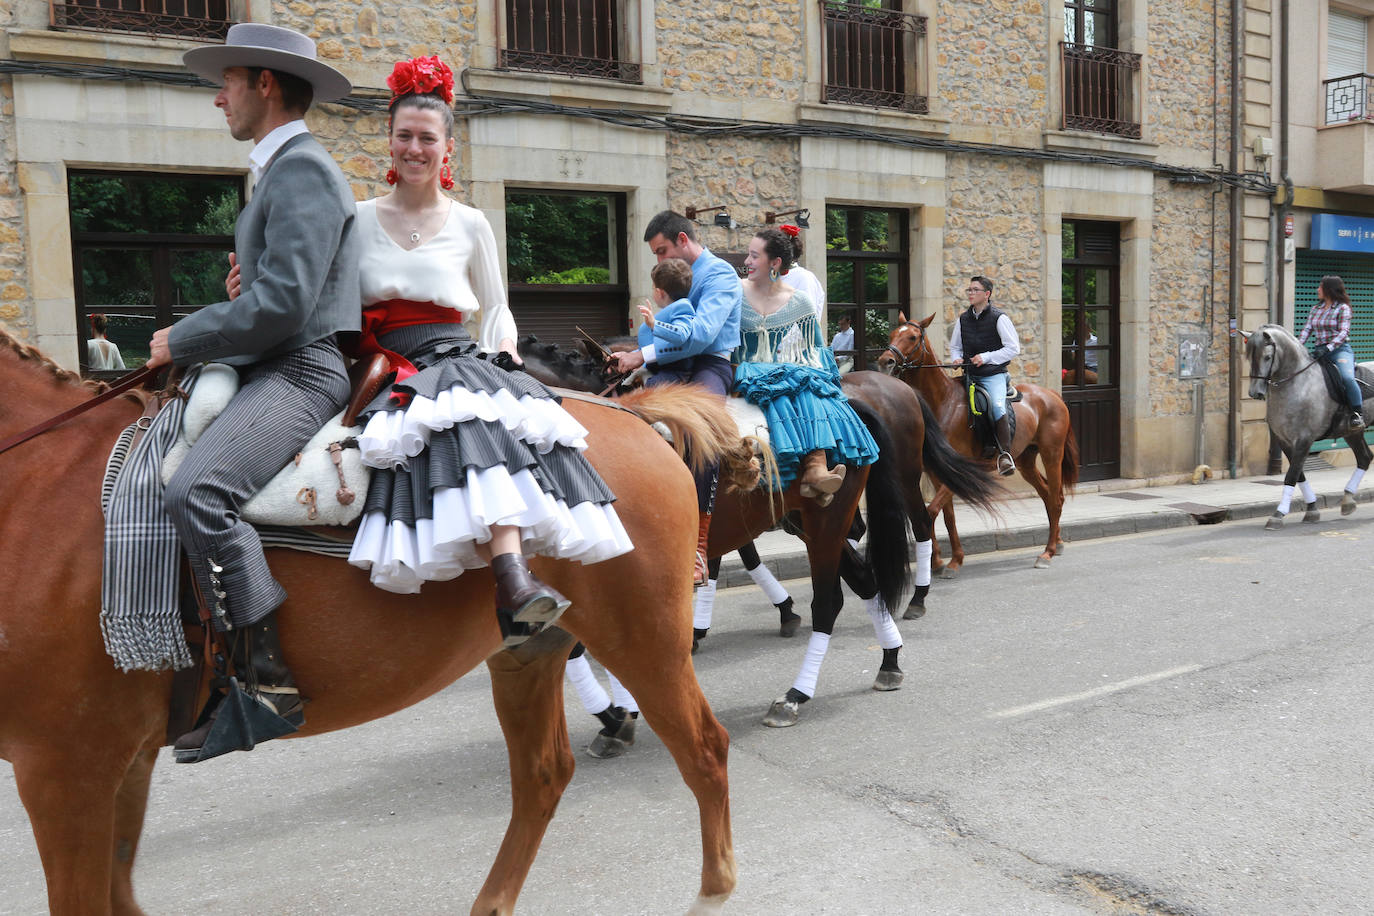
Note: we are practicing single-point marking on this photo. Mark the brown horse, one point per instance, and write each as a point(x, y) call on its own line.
point(897, 418)
point(83, 737)
point(1042, 429)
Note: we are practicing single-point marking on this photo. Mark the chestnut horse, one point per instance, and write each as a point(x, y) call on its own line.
point(83, 737)
point(1042, 429)
point(897, 418)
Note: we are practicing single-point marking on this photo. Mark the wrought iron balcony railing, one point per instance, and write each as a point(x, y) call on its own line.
point(204, 20)
point(574, 37)
point(873, 56)
point(1100, 89)
point(1347, 98)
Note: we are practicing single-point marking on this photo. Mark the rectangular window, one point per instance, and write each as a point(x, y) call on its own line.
point(872, 52)
point(576, 37)
point(1100, 82)
point(565, 257)
point(208, 20)
point(868, 280)
point(1346, 86)
point(147, 249)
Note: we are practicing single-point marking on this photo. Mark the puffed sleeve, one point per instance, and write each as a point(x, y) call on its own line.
point(484, 272)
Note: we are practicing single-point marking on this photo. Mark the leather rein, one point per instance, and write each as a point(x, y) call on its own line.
point(118, 387)
point(1269, 379)
point(905, 362)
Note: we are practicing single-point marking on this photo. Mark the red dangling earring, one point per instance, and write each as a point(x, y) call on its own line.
point(391, 176)
point(445, 178)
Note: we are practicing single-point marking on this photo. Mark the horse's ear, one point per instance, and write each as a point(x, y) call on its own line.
point(925, 322)
point(1246, 335)
point(901, 317)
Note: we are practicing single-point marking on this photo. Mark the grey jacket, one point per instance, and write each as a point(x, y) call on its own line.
point(298, 255)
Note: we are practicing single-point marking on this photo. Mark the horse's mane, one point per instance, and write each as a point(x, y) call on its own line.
point(29, 353)
point(561, 368)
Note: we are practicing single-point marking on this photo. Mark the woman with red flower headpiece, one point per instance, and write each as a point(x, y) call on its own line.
point(478, 464)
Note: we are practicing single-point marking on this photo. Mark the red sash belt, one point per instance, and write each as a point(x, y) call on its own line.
point(390, 314)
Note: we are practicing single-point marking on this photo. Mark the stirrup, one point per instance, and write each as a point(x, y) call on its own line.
point(1006, 466)
point(700, 570)
point(1356, 420)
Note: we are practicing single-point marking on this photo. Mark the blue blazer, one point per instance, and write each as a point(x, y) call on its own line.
point(707, 321)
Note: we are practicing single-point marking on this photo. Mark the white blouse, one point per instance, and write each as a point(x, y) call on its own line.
point(457, 269)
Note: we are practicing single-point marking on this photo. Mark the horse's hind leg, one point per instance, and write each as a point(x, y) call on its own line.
point(527, 690)
point(1050, 491)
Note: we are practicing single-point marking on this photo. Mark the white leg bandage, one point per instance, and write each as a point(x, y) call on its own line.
point(923, 551)
point(765, 580)
point(811, 664)
point(884, 627)
point(703, 605)
point(1308, 497)
point(1354, 483)
point(1285, 500)
point(594, 699)
point(621, 695)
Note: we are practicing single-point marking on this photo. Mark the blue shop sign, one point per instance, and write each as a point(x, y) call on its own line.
point(1331, 232)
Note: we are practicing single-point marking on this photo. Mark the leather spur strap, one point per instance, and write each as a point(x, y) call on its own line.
point(132, 380)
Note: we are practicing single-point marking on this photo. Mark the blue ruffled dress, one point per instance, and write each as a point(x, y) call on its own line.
point(783, 366)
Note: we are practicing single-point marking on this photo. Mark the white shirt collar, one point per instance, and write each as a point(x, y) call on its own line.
point(270, 144)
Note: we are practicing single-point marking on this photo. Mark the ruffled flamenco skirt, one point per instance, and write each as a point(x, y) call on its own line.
point(806, 410)
point(475, 447)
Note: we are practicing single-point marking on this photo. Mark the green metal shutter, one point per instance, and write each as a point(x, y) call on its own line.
point(1358, 273)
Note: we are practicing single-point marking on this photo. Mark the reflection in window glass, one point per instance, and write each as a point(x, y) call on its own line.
point(198, 277)
point(560, 238)
point(839, 281)
point(130, 331)
point(1066, 248)
point(164, 204)
point(113, 277)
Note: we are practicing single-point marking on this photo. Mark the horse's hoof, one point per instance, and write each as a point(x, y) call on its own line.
point(606, 746)
point(914, 612)
point(1042, 562)
point(789, 627)
point(782, 714)
point(1310, 516)
point(949, 572)
point(1348, 503)
point(888, 680)
point(1275, 522)
point(1059, 549)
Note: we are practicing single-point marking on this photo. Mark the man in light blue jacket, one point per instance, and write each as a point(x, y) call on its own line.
point(696, 349)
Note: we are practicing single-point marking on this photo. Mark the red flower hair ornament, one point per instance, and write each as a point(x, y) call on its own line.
point(422, 76)
point(793, 231)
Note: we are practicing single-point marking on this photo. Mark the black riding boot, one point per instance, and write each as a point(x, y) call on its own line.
point(1006, 466)
point(1356, 419)
point(524, 605)
point(260, 669)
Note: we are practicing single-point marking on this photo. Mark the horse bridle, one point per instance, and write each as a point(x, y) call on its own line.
point(905, 362)
point(1269, 380)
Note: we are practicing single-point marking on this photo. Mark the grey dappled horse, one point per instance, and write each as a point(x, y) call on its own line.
point(1300, 410)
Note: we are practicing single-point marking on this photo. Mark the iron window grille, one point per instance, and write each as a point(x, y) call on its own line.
point(1347, 98)
point(201, 20)
point(873, 56)
point(1099, 89)
point(573, 37)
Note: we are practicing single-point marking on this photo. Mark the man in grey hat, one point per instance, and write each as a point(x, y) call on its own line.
point(293, 286)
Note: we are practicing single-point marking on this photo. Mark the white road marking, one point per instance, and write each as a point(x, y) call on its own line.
point(1095, 692)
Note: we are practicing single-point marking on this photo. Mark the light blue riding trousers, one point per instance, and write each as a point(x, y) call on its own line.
point(1344, 358)
point(995, 387)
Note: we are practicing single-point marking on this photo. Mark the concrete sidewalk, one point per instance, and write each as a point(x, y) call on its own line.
point(1094, 510)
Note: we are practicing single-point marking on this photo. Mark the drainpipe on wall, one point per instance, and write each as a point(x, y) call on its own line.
point(1284, 209)
point(1237, 208)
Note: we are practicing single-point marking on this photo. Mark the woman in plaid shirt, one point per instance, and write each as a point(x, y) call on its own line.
point(1329, 327)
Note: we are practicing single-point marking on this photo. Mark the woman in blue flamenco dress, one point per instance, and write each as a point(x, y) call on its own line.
point(784, 368)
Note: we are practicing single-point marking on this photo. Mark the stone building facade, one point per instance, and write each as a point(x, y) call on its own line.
point(979, 162)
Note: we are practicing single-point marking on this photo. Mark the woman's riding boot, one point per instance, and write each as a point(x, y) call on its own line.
point(818, 478)
point(260, 668)
point(524, 605)
point(1006, 465)
point(699, 566)
point(1356, 419)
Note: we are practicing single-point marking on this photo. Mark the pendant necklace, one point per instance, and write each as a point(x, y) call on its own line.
point(415, 235)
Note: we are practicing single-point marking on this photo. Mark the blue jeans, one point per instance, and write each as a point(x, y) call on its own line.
point(995, 387)
point(1344, 358)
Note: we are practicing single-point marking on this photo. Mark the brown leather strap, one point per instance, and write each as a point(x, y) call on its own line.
point(132, 380)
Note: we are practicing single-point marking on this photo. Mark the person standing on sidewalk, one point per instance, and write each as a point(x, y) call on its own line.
point(987, 334)
point(1329, 327)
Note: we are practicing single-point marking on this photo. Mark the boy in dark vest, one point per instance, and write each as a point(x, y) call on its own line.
point(986, 334)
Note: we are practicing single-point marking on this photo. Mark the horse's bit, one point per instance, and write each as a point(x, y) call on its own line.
point(905, 362)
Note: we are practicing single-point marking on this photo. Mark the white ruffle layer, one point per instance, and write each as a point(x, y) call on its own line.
point(401, 558)
point(391, 438)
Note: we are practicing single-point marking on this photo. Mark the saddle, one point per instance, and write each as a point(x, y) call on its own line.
point(1335, 387)
point(980, 415)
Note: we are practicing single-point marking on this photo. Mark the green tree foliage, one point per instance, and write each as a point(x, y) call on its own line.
point(559, 238)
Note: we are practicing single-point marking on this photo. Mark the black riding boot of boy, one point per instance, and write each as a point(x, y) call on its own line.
point(1006, 466)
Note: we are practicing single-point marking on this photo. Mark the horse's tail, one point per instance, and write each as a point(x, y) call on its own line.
point(887, 520)
point(1068, 466)
point(700, 429)
point(966, 478)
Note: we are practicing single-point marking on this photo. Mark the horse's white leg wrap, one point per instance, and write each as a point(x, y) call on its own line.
point(765, 580)
point(1353, 485)
point(1308, 496)
point(923, 551)
point(621, 695)
point(1285, 500)
point(594, 699)
point(704, 604)
point(884, 627)
point(811, 664)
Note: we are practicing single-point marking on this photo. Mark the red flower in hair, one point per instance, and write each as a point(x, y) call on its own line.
point(793, 231)
point(422, 76)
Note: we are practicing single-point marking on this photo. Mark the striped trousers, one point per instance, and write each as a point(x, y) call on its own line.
point(280, 404)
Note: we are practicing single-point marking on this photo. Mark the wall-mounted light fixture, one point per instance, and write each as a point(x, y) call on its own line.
point(803, 217)
point(722, 219)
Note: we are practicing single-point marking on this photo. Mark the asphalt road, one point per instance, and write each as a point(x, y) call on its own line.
point(1176, 723)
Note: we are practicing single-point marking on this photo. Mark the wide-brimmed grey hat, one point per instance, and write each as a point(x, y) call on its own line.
point(252, 44)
